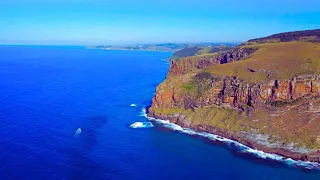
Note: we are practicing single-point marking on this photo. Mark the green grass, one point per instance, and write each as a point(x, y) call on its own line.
point(188, 86)
point(199, 84)
point(274, 61)
point(204, 55)
point(220, 117)
point(227, 119)
point(271, 61)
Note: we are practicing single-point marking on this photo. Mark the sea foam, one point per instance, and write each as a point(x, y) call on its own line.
point(240, 147)
point(133, 105)
point(141, 125)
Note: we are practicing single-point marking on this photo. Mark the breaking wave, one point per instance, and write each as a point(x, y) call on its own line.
point(133, 105)
point(141, 125)
point(240, 147)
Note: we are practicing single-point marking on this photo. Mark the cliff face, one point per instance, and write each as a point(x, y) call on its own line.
point(237, 93)
point(185, 65)
point(280, 115)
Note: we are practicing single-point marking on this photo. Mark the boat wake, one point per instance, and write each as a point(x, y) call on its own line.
point(239, 147)
point(77, 133)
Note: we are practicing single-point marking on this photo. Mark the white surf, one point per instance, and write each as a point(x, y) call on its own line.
point(244, 148)
point(141, 125)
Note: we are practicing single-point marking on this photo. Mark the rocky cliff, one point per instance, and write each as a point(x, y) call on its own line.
point(187, 64)
point(247, 94)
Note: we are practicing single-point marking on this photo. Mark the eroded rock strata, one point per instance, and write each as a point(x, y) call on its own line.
point(277, 114)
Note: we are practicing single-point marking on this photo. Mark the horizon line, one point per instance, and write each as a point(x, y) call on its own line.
point(122, 44)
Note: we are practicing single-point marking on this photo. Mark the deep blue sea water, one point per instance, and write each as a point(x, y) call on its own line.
point(46, 93)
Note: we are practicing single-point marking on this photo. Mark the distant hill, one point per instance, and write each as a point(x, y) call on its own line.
point(307, 35)
point(188, 51)
point(199, 50)
point(163, 47)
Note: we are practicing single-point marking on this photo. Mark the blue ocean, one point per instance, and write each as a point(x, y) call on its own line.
point(48, 92)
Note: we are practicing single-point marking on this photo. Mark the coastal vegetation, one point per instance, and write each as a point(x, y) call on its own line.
point(281, 60)
point(200, 50)
point(267, 87)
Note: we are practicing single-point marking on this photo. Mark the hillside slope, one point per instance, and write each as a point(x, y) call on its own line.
point(199, 50)
point(264, 93)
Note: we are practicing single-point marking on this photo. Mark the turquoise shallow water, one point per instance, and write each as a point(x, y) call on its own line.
point(47, 93)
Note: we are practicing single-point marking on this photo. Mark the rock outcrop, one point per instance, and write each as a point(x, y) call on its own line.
point(187, 64)
point(276, 105)
point(285, 112)
point(238, 94)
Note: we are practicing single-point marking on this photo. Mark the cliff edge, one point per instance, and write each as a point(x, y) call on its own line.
point(264, 93)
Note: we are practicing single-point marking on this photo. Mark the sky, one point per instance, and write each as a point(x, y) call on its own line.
point(98, 22)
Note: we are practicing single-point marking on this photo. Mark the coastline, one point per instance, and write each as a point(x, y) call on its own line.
point(284, 155)
point(140, 50)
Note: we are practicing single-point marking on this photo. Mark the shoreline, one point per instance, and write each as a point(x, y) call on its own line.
point(282, 154)
point(141, 50)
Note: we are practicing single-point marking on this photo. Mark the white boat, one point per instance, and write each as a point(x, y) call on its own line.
point(78, 131)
